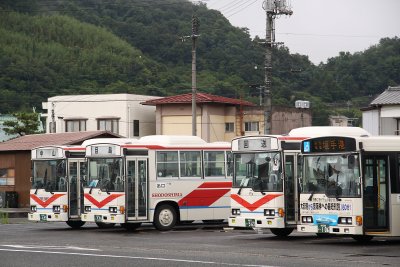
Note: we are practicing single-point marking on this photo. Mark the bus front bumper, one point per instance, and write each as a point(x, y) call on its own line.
point(335, 230)
point(257, 222)
point(47, 217)
point(103, 218)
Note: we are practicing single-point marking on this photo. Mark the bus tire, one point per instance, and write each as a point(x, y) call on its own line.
point(362, 238)
point(282, 232)
point(131, 226)
point(75, 224)
point(165, 217)
point(102, 225)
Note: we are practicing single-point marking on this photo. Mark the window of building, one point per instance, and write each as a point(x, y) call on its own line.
point(251, 126)
point(75, 125)
point(110, 125)
point(136, 128)
point(229, 127)
point(7, 177)
point(52, 127)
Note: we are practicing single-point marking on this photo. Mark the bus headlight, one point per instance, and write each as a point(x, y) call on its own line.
point(33, 209)
point(112, 209)
point(88, 209)
point(56, 209)
point(345, 220)
point(307, 219)
point(269, 212)
point(235, 211)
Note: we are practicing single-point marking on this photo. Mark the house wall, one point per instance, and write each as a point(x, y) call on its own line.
point(370, 121)
point(126, 107)
point(20, 161)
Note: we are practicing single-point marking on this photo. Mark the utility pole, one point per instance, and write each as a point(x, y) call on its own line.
point(272, 9)
point(193, 37)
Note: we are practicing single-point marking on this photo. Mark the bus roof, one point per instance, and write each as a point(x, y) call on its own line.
point(315, 131)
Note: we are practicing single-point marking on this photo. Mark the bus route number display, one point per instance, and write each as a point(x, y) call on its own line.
point(328, 144)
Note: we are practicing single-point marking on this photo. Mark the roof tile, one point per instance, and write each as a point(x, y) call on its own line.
point(27, 142)
point(390, 96)
point(200, 98)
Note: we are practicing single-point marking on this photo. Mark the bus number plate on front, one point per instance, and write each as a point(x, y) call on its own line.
point(323, 228)
point(43, 217)
point(97, 218)
point(250, 222)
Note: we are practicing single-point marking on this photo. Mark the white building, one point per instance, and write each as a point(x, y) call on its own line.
point(382, 117)
point(118, 113)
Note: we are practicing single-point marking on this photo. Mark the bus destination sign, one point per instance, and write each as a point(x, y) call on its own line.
point(262, 143)
point(329, 144)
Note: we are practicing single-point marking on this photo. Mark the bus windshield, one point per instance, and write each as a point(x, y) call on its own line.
point(49, 175)
point(334, 175)
point(259, 171)
point(105, 173)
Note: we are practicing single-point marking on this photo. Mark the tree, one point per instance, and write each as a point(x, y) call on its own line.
point(24, 123)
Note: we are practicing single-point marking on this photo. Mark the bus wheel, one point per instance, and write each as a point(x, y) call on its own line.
point(362, 238)
point(281, 232)
point(165, 218)
point(75, 224)
point(131, 226)
point(102, 225)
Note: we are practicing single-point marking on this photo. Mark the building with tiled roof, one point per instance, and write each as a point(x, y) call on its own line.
point(382, 116)
point(221, 118)
point(15, 158)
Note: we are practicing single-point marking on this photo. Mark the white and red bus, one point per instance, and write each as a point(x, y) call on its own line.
point(160, 179)
point(265, 193)
point(351, 186)
point(56, 195)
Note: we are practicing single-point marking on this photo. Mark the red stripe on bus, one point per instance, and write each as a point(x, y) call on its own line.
point(203, 197)
point(257, 204)
point(44, 204)
point(216, 185)
point(102, 203)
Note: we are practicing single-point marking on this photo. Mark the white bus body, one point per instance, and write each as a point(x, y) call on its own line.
point(264, 190)
point(159, 179)
point(351, 186)
point(56, 194)
point(272, 163)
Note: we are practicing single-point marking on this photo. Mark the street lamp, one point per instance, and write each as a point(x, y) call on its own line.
point(302, 105)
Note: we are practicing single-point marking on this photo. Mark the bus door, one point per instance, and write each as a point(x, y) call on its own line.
point(376, 193)
point(137, 188)
point(290, 189)
point(76, 172)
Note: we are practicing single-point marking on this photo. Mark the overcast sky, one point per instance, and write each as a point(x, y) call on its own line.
point(319, 29)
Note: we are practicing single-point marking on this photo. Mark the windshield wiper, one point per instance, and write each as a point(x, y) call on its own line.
point(91, 188)
point(242, 185)
point(312, 194)
point(37, 188)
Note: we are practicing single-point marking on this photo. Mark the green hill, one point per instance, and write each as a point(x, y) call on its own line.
point(89, 46)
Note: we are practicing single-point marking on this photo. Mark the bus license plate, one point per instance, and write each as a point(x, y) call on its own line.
point(323, 228)
point(250, 222)
point(43, 217)
point(97, 218)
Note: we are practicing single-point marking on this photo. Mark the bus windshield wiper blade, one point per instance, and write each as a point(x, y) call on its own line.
point(311, 195)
